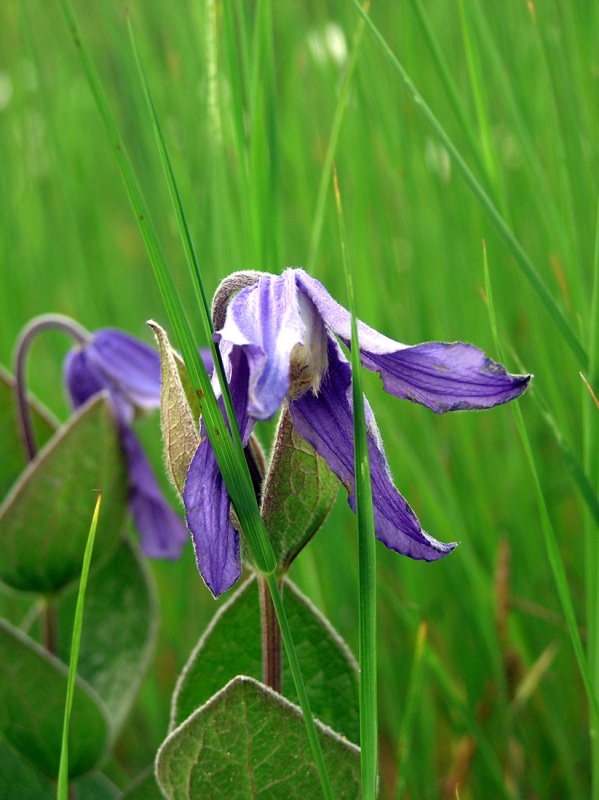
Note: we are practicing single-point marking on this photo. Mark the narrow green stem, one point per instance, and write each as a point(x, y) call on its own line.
point(271, 639)
point(299, 686)
point(366, 544)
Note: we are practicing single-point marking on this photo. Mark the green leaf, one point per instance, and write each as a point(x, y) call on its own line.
point(44, 520)
point(20, 780)
point(179, 432)
point(299, 491)
point(12, 454)
point(247, 742)
point(232, 646)
point(118, 629)
point(33, 686)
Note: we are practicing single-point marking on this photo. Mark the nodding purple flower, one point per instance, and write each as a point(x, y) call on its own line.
point(279, 345)
point(129, 370)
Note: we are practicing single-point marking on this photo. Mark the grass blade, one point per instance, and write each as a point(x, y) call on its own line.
point(226, 441)
point(366, 547)
point(550, 539)
point(63, 772)
point(523, 260)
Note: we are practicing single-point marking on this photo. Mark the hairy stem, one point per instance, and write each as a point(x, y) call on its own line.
point(271, 638)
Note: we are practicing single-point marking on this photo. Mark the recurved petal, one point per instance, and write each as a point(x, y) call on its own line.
point(446, 377)
point(443, 376)
point(265, 320)
point(163, 533)
point(130, 365)
point(326, 422)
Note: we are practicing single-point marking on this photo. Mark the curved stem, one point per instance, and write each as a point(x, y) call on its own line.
point(29, 332)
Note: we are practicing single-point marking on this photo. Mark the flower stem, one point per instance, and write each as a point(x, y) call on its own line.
point(271, 638)
point(30, 331)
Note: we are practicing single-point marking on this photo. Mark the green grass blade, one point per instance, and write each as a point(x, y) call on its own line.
point(325, 176)
point(63, 771)
point(550, 539)
point(366, 547)
point(523, 260)
point(227, 445)
point(591, 464)
point(205, 313)
point(413, 697)
point(449, 86)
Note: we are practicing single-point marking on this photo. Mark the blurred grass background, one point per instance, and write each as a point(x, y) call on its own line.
point(247, 93)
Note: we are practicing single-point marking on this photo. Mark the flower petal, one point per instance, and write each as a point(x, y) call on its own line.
point(446, 377)
point(265, 320)
point(132, 366)
point(82, 377)
point(442, 376)
point(326, 422)
point(207, 503)
point(163, 532)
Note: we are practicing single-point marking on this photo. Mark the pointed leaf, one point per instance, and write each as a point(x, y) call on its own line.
point(44, 520)
point(179, 431)
point(33, 686)
point(232, 646)
point(299, 491)
point(118, 629)
point(249, 742)
point(12, 454)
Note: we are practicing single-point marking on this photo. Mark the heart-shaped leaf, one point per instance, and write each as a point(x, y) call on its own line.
point(247, 742)
point(298, 493)
point(33, 686)
point(118, 629)
point(232, 646)
point(44, 520)
point(12, 454)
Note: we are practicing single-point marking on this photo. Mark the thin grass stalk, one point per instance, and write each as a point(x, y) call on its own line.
point(591, 463)
point(489, 154)
point(450, 89)
point(325, 175)
point(549, 537)
point(366, 545)
point(225, 441)
point(522, 259)
point(413, 696)
point(63, 770)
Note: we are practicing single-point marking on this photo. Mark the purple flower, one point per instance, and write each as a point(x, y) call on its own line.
point(278, 344)
point(130, 371)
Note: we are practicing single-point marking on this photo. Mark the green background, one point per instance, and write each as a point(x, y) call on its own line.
point(247, 95)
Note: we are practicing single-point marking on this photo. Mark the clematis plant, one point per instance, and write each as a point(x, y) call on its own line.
point(128, 370)
point(110, 360)
point(279, 337)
